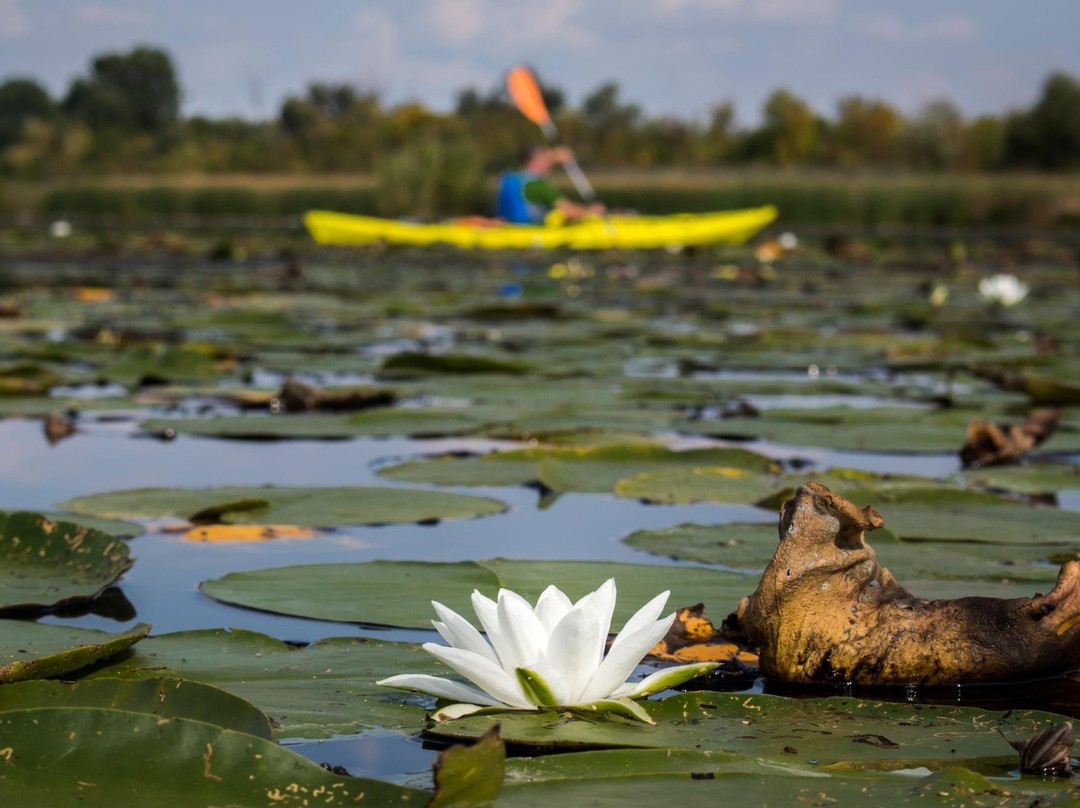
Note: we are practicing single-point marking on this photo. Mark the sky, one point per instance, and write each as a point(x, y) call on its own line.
point(242, 57)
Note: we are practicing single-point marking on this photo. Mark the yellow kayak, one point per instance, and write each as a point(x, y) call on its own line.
point(633, 232)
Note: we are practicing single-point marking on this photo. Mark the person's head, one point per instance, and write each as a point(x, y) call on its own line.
point(540, 159)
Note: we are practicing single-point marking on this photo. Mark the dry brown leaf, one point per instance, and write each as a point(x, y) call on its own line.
point(693, 638)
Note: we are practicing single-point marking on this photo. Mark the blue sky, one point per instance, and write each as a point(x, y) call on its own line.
point(672, 56)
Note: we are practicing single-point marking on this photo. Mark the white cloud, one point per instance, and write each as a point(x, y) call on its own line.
point(14, 24)
point(892, 28)
point(105, 14)
point(456, 21)
point(527, 22)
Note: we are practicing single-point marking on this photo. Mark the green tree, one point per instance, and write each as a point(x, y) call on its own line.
point(867, 132)
point(130, 92)
point(935, 139)
point(22, 99)
point(790, 132)
point(1049, 134)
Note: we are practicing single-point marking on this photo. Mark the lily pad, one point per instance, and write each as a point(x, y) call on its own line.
point(311, 507)
point(164, 697)
point(571, 468)
point(1035, 478)
point(45, 563)
point(707, 484)
point(114, 527)
point(38, 650)
point(750, 546)
point(415, 363)
point(859, 734)
point(383, 422)
point(703, 779)
point(318, 691)
point(1020, 524)
point(398, 593)
point(177, 762)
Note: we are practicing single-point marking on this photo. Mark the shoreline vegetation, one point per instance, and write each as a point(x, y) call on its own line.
point(118, 144)
point(821, 197)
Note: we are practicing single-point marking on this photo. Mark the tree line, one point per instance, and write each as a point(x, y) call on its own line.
point(124, 115)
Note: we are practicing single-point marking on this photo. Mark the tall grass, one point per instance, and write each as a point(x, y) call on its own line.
point(431, 181)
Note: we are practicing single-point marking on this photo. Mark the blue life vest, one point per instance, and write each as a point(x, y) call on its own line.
point(511, 204)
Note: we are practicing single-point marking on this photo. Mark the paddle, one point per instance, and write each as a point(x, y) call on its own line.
point(525, 93)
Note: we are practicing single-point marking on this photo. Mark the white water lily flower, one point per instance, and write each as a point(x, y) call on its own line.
point(1002, 290)
point(550, 655)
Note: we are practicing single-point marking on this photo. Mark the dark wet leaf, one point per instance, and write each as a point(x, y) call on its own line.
point(39, 651)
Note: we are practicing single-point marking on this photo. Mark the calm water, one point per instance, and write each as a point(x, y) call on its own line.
point(162, 587)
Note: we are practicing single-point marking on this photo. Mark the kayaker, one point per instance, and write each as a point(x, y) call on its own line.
point(526, 196)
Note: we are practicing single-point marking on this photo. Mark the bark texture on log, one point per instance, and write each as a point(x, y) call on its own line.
point(827, 611)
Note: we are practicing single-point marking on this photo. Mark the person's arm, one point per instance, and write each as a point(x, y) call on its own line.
point(542, 192)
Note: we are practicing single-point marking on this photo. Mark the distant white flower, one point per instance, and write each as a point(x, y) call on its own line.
point(1002, 290)
point(548, 656)
point(60, 229)
point(788, 241)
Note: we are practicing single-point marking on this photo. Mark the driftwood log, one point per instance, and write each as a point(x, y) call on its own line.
point(827, 611)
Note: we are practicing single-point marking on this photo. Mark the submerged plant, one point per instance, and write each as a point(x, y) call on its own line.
point(550, 655)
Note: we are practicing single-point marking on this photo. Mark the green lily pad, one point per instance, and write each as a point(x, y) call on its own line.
point(750, 546)
point(315, 507)
point(470, 776)
point(706, 484)
point(382, 422)
point(38, 650)
point(45, 563)
point(413, 364)
point(1035, 478)
point(714, 782)
point(164, 697)
point(398, 593)
point(859, 734)
point(114, 527)
point(571, 468)
point(159, 362)
point(988, 524)
point(318, 691)
point(115, 757)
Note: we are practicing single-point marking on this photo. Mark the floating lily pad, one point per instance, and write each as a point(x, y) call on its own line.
point(859, 734)
point(312, 507)
point(324, 689)
point(164, 697)
point(413, 363)
point(114, 527)
point(708, 484)
point(177, 762)
point(624, 777)
point(381, 422)
point(1020, 524)
point(1035, 478)
point(398, 593)
point(38, 650)
point(571, 468)
point(45, 563)
point(159, 363)
point(750, 546)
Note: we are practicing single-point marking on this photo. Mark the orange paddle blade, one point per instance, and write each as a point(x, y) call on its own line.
point(525, 93)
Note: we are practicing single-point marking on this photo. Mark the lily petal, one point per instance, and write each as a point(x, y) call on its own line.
point(462, 634)
point(439, 687)
point(536, 688)
point(488, 613)
point(572, 648)
point(452, 711)
point(524, 640)
point(645, 615)
point(623, 658)
point(668, 678)
point(623, 707)
point(551, 607)
point(602, 604)
point(484, 673)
